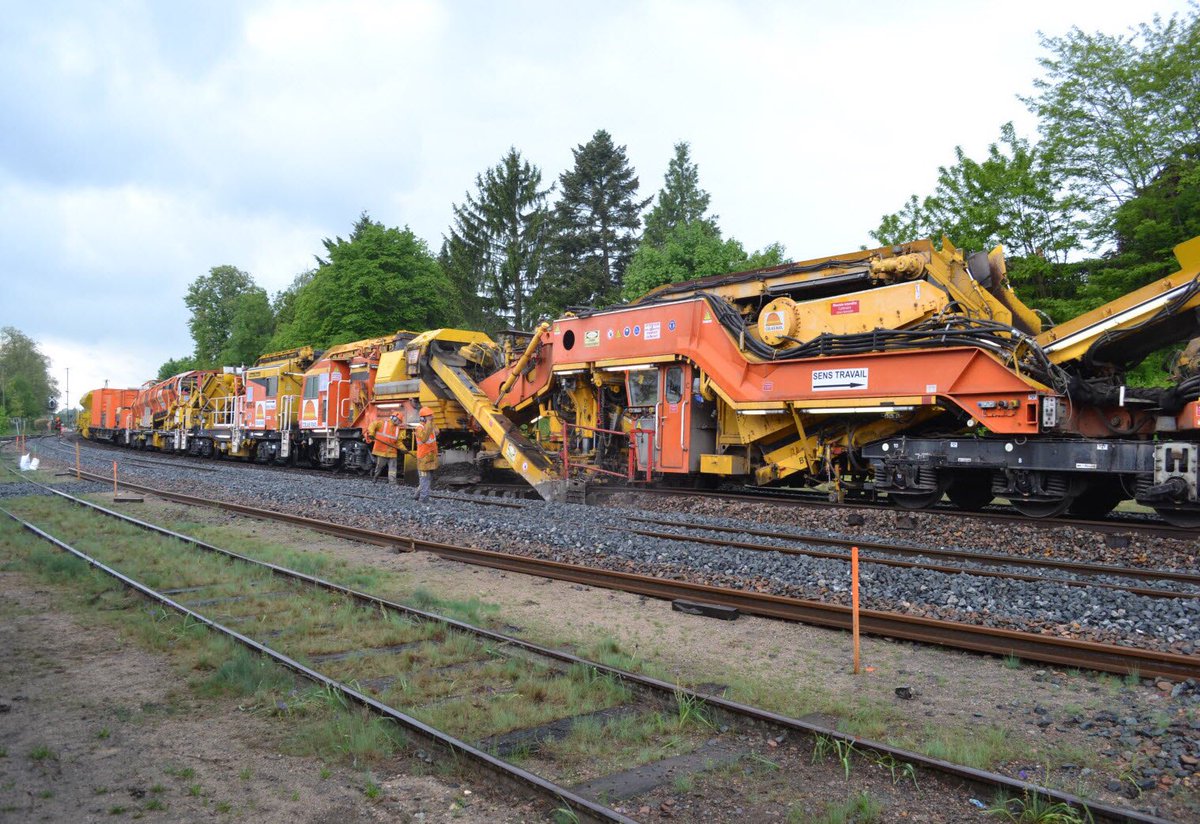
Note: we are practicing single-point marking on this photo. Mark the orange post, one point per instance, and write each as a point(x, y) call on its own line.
point(78, 476)
point(115, 495)
point(854, 602)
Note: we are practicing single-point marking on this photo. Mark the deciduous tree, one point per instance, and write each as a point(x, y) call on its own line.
point(1114, 109)
point(213, 301)
point(692, 250)
point(26, 387)
point(375, 282)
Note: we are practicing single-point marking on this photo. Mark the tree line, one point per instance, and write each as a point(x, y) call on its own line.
point(517, 251)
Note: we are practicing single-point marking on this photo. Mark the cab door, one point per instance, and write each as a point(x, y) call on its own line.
point(674, 417)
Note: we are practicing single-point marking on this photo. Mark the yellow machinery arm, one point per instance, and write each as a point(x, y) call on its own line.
point(1138, 315)
point(525, 457)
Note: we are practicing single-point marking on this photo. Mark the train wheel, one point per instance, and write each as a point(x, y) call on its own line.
point(921, 499)
point(971, 492)
point(1185, 518)
point(918, 500)
point(1042, 509)
point(1098, 499)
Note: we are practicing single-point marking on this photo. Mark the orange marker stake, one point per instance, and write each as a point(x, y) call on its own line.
point(78, 476)
point(115, 495)
point(854, 602)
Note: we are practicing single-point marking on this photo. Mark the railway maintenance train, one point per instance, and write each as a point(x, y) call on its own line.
point(910, 371)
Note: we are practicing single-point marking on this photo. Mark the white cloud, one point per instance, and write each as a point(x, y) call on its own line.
point(145, 143)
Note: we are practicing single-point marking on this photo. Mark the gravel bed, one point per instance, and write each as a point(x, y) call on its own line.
point(599, 536)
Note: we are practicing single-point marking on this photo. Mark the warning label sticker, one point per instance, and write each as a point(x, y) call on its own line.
point(843, 307)
point(591, 338)
point(825, 380)
point(653, 331)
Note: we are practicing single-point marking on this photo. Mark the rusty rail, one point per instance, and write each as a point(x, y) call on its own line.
point(1067, 652)
point(973, 777)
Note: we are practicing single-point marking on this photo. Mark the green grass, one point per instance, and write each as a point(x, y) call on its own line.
point(858, 809)
point(1034, 809)
point(978, 747)
point(154, 804)
point(43, 753)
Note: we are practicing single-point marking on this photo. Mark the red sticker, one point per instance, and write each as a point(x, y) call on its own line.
point(845, 307)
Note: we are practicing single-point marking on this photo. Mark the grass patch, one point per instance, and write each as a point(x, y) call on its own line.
point(244, 673)
point(43, 753)
point(355, 735)
point(860, 809)
point(980, 748)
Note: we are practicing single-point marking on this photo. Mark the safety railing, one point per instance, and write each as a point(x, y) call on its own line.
point(226, 411)
point(631, 471)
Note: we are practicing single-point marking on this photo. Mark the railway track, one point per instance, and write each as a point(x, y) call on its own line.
point(1067, 652)
point(809, 544)
point(1113, 524)
point(312, 651)
point(248, 597)
point(1110, 525)
point(812, 540)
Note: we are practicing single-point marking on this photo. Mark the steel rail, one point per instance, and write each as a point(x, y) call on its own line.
point(974, 777)
point(779, 498)
point(543, 787)
point(942, 568)
point(970, 555)
point(1068, 652)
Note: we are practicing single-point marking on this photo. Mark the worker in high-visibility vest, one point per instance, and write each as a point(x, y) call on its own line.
point(427, 453)
point(384, 434)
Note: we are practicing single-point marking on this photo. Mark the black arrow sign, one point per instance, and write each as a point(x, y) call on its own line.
point(850, 385)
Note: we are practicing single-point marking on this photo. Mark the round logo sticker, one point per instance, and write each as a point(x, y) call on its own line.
point(637, 330)
point(610, 334)
point(625, 333)
point(670, 326)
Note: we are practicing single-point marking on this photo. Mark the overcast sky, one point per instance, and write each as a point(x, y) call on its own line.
point(142, 143)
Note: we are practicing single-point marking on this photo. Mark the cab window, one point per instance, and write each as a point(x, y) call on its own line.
point(674, 384)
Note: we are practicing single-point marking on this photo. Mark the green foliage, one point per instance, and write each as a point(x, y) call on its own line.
point(1114, 109)
point(26, 388)
point(1009, 198)
point(497, 244)
point(1035, 809)
point(174, 366)
point(680, 201)
point(376, 282)
point(250, 328)
point(692, 250)
point(594, 229)
point(214, 300)
point(681, 241)
point(283, 303)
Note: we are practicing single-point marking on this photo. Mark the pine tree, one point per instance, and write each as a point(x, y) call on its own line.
point(594, 228)
point(681, 200)
point(497, 245)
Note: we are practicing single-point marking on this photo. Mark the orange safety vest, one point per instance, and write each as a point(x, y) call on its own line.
point(387, 436)
point(427, 448)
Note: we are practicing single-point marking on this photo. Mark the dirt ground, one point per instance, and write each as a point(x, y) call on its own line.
point(63, 684)
point(96, 729)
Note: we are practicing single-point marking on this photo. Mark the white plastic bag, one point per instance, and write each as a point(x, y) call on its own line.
point(24, 462)
point(33, 464)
